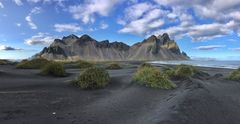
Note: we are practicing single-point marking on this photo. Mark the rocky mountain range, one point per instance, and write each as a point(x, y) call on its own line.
point(87, 48)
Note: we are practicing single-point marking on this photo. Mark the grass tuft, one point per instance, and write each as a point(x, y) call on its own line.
point(184, 71)
point(54, 69)
point(180, 72)
point(114, 66)
point(145, 65)
point(4, 62)
point(235, 75)
point(92, 78)
point(84, 64)
point(32, 64)
point(153, 78)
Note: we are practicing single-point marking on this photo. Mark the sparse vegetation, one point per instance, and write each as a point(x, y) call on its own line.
point(114, 66)
point(32, 64)
point(184, 71)
point(145, 65)
point(3, 62)
point(84, 64)
point(54, 69)
point(169, 72)
point(92, 78)
point(180, 71)
point(235, 75)
point(152, 77)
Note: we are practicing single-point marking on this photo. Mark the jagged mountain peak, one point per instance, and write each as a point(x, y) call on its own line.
point(152, 38)
point(86, 37)
point(87, 48)
point(72, 36)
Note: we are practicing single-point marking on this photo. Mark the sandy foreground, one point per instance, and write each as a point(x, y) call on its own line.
point(29, 98)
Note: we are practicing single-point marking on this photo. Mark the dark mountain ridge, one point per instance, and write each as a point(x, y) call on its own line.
point(85, 47)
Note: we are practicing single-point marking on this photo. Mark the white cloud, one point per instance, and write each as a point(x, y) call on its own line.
point(172, 16)
point(58, 2)
point(225, 17)
point(137, 10)
point(104, 26)
point(199, 32)
point(18, 2)
point(1, 5)
point(87, 11)
point(144, 21)
point(40, 39)
point(30, 22)
point(34, 1)
point(67, 27)
point(34, 11)
point(156, 24)
point(210, 47)
point(18, 24)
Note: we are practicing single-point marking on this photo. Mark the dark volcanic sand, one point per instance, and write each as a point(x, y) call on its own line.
point(28, 98)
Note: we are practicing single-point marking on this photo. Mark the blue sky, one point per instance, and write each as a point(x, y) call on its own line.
point(202, 28)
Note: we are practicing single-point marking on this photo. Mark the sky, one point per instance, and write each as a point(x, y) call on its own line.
point(204, 29)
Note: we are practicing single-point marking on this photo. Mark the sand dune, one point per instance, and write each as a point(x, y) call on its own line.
point(26, 97)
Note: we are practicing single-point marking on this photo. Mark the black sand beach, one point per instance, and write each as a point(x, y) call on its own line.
point(29, 98)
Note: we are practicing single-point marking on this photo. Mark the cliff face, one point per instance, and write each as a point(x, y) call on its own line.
point(87, 48)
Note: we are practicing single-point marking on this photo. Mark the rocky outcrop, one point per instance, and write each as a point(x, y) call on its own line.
point(87, 48)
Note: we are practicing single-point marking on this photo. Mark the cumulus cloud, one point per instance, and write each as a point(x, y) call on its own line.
point(1, 5)
point(58, 2)
point(18, 2)
point(141, 18)
point(87, 11)
point(197, 32)
point(67, 27)
point(34, 11)
point(210, 47)
point(40, 39)
point(8, 48)
point(179, 21)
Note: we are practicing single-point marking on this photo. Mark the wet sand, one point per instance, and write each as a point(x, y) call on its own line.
point(29, 98)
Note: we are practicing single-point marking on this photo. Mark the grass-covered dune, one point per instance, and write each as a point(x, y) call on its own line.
point(37, 63)
point(235, 75)
point(152, 77)
point(4, 61)
point(92, 78)
point(54, 69)
point(83, 64)
point(180, 71)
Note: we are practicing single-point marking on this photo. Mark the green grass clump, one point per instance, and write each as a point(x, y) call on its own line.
point(54, 69)
point(184, 71)
point(153, 78)
point(114, 66)
point(235, 75)
point(4, 62)
point(84, 64)
point(92, 78)
point(37, 63)
point(169, 72)
point(180, 72)
point(145, 65)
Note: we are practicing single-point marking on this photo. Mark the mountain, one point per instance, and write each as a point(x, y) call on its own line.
point(87, 48)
